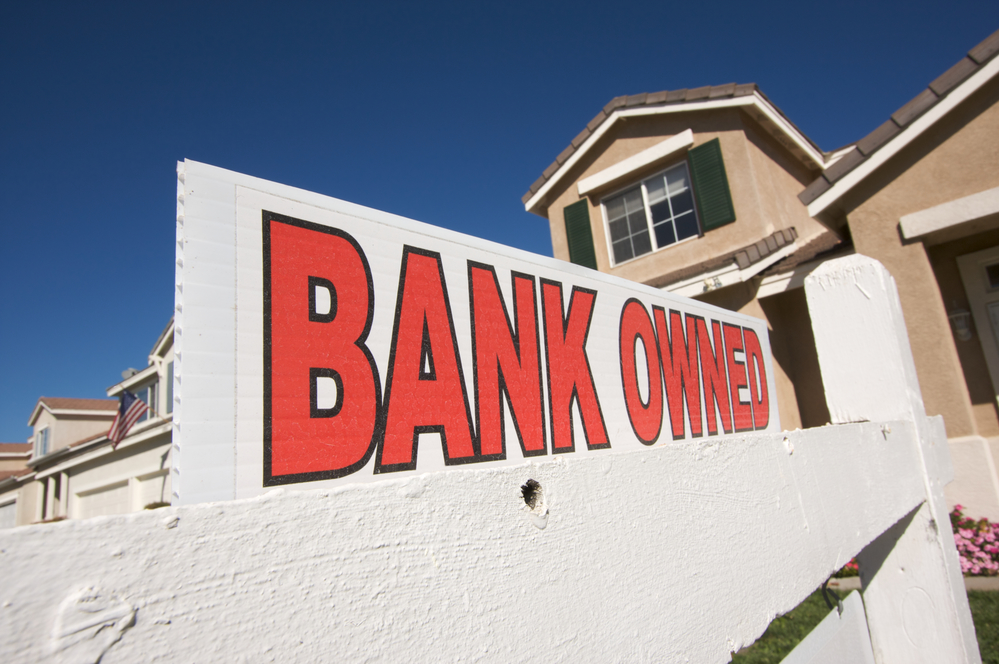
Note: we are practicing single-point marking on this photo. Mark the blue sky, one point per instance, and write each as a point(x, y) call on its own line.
point(442, 112)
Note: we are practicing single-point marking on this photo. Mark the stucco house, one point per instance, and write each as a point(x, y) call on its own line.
point(74, 472)
point(714, 193)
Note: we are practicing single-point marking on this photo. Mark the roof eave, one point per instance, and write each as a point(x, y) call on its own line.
point(537, 203)
point(824, 206)
point(39, 407)
point(163, 341)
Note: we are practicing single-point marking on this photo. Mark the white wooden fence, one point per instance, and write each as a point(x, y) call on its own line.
point(681, 553)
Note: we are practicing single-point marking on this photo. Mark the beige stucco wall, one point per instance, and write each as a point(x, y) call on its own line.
point(13, 464)
point(28, 503)
point(68, 429)
point(763, 178)
point(793, 346)
point(956, 158)
point(125, 465)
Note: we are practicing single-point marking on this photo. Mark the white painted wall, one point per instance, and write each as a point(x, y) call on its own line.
point(681, 552)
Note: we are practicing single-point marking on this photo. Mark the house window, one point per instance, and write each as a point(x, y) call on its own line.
point(655, 214)
point(42, 439)
point(169, 389)
point(147, 395)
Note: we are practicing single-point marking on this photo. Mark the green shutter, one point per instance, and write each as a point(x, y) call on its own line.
point(579, 235)
point(707, 171)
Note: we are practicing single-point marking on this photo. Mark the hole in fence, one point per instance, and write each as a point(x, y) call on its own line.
point(534, 499)
point(530, 491)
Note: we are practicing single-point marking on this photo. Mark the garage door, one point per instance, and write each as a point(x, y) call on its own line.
point(111, 499)
point(8, 515)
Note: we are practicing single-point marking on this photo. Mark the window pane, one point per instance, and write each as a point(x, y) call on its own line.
point(992, 272)
point(656, 188)
point(641, 243)
point(615, 207)
point(660, 212)
point(682, 202)
point(622, 250)
point(664, 234)
point(619, 229)
point(677, 179)
point(686, 226)
point(633, 200)
point(169, 388)
point(637, 223)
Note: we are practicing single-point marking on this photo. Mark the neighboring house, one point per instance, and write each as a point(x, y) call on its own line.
point(713, 193)
point(13, 462)
point(73, 471)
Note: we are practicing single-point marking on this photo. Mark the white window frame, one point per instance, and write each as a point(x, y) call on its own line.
point(648, 214)
point(43, 441)
point(152, 391)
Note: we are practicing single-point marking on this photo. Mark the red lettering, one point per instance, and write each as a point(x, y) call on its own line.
point(758, 390)
point(425, 388)
point(569, 377)
point(742, 412)
point(506, 362)
point(303, 438)
point(646, 418)
point(678, 357)
point(713, 376)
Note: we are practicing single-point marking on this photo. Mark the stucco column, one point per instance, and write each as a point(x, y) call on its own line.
point(49, 498)
point(64, 494)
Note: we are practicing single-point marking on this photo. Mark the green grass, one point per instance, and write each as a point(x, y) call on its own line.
point(787, 631)
point(985, 612)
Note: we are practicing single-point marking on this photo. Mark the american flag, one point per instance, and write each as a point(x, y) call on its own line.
point(129, 411)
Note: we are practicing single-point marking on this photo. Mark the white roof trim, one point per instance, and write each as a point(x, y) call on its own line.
point(166, 339)
point(754, 99)
point(906, 136)
point(99, 447)
point(73, 411)
point(132, 381)
point(727, 275)
point(839, 154)
point(643, 159)
point(952, 213)
point(40, 406)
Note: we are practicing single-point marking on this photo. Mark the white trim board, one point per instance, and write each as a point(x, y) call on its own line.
point(756, 100)
point(132, 381)
point(645, 158)
point(100, 447)
point(727, 275)
point(906, 136)
point(950, 214)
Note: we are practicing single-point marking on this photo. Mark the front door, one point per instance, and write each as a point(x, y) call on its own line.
point(980, 274)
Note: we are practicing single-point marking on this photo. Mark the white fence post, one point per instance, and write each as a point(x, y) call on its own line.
point(917, 607)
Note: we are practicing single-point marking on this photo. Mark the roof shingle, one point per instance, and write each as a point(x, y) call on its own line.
point(61, 403)
point(915, 107)
point(630, 101)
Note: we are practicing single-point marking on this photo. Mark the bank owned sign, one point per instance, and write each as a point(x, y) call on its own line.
point(324, 342)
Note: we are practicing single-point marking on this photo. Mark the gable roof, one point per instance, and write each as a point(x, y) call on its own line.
point(904, 125)
point(672, 101)
point(65, 406)
point(164, 341)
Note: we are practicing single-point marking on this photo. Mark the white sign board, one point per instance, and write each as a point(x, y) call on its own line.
point(322, 342)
